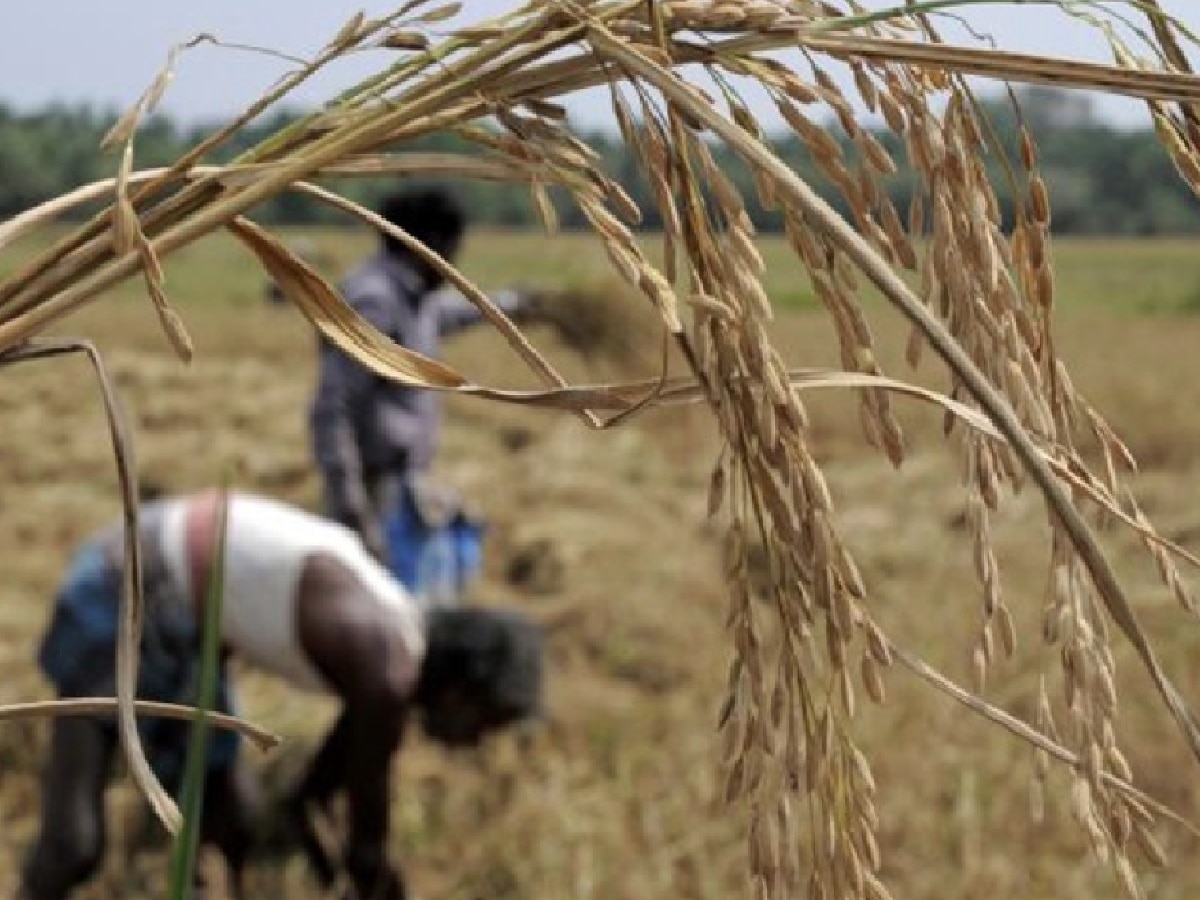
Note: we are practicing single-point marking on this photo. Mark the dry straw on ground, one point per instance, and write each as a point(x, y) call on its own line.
point(983, 304)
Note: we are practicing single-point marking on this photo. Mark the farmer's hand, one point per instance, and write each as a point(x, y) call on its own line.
point(371, 876)
point(370, 529)
point(536, 304)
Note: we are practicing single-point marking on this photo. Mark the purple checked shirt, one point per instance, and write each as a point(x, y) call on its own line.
point(364, 426)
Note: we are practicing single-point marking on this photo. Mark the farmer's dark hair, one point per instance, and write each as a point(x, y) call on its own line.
point(430, 214)
point(493, 655)
point(150, 490)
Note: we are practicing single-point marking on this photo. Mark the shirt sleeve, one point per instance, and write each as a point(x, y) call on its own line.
point(456, 312)
point(345, 393)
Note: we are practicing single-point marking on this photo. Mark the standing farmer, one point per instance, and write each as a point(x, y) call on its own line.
point(375, 440)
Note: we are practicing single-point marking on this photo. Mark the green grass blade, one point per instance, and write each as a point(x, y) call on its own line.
point(187, 845)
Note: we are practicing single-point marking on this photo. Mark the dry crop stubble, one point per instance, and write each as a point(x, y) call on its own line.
point(985, 307)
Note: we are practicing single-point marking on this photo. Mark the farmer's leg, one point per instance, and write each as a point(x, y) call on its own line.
point(70, 845)
point(232, 807)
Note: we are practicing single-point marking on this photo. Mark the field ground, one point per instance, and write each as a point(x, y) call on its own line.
point(603, 534)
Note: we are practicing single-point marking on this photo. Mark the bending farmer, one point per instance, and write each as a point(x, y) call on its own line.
point(305, 601)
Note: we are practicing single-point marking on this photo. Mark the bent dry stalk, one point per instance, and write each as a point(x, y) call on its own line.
point(129, 627)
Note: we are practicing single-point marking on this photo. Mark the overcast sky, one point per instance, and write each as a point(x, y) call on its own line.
point(107, 52)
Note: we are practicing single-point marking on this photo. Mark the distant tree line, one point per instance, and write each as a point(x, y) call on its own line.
point(1102, 180)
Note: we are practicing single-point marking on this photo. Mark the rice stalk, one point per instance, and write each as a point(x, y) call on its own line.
point(92, 706)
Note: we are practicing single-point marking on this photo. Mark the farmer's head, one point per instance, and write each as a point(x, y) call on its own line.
point(432, 216)
point(482, 671)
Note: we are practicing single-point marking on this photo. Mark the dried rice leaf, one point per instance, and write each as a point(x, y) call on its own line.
point(334, 318)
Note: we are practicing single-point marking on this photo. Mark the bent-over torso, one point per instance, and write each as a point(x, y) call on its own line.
point(267, 547)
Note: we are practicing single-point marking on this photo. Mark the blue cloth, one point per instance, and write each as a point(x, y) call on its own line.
point(78, 655)
point(435, 561)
